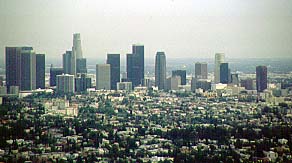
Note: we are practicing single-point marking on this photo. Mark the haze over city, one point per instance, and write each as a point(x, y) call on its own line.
point(188, 28)
point(142, 81)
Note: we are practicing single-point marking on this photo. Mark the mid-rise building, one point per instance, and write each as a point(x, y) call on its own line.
point(103, 76)
point(65, 83)
point(124, 86)
point(173, 82)
point(247, 84)
point(160, 70)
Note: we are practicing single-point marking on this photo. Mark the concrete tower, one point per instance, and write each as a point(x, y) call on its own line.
point(103, 76)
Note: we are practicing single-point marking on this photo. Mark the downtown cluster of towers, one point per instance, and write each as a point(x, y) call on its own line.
point(25, 71)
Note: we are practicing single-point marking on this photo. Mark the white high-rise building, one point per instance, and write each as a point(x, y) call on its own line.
point(219, 58)
point(77, 46)
point(65, 83)
point(103, 76)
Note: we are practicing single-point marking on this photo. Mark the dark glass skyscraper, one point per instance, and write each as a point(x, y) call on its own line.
point(201, 70)
point(114, 61)
point(182, 74)
point(20, 67)
point(224, 73)
point(160, 70)
point(135, 65)
point(54, 71)
point(67, 62)
point(40, 71)
point(261, 78)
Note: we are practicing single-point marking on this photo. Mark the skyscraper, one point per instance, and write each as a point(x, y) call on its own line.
point(182, 74)
point(160, 70)
point(54, 71)
point(135, 65)
point(219, 58)
point(103, 76)
point(65, 83)
point(201, 70)
point(67, 62)
point(77, 46)
point(40, 71)
point(261, 78)
point(81, 65)
point(80, 62)
point(224, 73)
point(20, 68)
point(114, 61)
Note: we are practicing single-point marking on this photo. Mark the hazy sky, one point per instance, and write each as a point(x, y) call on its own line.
point(181, 28)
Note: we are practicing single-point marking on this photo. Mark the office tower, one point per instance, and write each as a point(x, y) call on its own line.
point(114, 61)
point(182, 74)
point(201, 70)
point(234, 79)
point(219, 58)
point(81, 65)
point(160, 70)
point(40, 71)
point(65, 83)
point(20, 68)
point(103, 76)
point(261, 78)
point(224, 73)
point(247, 84)
point(135, 65)
point(82, 83)
point(172, 83)
point(77, 46)
point(54, 71)
point(124, 86)
point(67, 62)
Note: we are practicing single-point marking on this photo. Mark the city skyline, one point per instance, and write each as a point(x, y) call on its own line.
point(238, 29)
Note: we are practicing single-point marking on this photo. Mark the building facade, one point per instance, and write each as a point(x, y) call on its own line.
point(182, 74)
point(65, 83)
point(103, 77)
point(219, 58)
point(261, 78)
point(201, 70)
point(135, 65)
point(114, 61)
point(40, 71)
